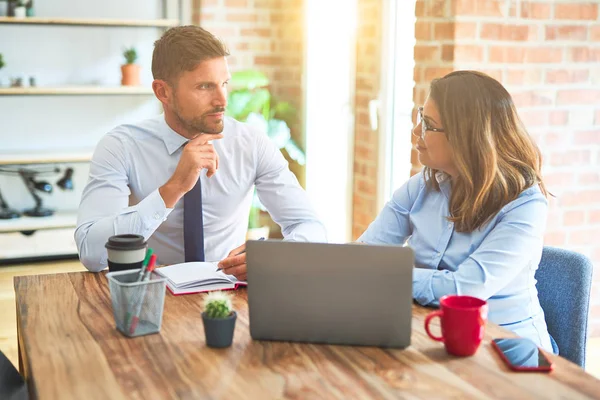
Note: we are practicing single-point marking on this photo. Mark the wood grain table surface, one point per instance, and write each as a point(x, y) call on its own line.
point(69, 349)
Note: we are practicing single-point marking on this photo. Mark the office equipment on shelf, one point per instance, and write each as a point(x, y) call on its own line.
point(5, 211)
point(42, 231)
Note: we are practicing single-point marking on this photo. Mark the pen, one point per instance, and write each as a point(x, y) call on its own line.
point(241, 252)
point(145, 263)
point(148, 273)
point(140, 277)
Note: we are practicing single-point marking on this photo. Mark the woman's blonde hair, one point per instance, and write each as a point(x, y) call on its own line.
point(495, 157)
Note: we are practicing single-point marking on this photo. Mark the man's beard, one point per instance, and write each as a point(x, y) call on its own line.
point(200, 124)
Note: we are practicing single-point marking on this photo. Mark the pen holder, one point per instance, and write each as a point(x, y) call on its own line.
point(137, 306)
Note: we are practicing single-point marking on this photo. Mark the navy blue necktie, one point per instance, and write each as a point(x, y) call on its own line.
point(193, 227)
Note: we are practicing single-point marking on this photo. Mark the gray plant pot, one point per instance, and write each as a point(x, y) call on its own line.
point(219, 331)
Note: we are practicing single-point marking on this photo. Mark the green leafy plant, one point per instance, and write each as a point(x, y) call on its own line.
point(251, 101)
point(130, 55)
point(217, 305)
point(2, 64)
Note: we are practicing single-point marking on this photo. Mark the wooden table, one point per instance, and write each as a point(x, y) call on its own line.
point(69, 349)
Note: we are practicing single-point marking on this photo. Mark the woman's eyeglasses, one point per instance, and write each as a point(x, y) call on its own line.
point(424, 126)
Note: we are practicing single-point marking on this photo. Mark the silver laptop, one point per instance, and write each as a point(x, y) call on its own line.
point(347, 294)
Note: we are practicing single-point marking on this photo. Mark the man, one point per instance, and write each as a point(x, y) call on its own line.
point(185, 180)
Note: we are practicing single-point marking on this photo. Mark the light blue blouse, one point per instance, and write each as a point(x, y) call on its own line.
point(496, 262)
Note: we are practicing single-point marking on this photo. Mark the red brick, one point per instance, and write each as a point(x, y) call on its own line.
point(242, 17)
point(420, 94)
point(423, 30)
point(447, 52)
point(241, 46)
point(594, 217)
point(236, 3)
point(207, 3)
point(435, 72)
point(267, 60)
point(508, 32)
point(523, 76)
point(555, 238)
point(443, 30)
point(595, 34)
point(503, 54)
point(535, 10)
point(533, 118)
point(578, 96)
point(567, 76)
point(584, 54)
point(226, 34)
point(532, 98)
point(574, 218)
point(486, 8)
point(465, 30)
point(597, 117)
point(583, 237)
point(362, 220)
point(495, 73)
point(430, 8)
point(468, 53)
point(566, 32)
point(589, 197)
point(579, 11)
point(559, 117)
point(556, 140)
point(427, 52)
point(587, 138)
point(256, 32)
point(570, 157)
point(367, 186)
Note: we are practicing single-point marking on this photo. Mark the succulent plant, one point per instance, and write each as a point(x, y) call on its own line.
point(130, 55)
point(217, 305)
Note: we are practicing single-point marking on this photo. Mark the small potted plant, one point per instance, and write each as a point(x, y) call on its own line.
point(219, 319)
point(21, 9)
point(130, 70)
point(2, 64)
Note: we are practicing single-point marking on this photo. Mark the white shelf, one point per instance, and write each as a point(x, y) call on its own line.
point(17, 158)
point(159, 23)
point(74, 90)
point(61, 219)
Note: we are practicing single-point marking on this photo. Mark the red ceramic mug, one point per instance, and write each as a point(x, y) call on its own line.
point(463, 321)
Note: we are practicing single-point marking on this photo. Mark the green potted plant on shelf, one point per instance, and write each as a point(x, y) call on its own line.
point(21, 9)
point(219, 319)
point(130, 71)
point(251, 101)
point(2, 64)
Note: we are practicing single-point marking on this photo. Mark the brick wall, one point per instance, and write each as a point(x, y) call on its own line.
point(266, 35)
point(368, 55)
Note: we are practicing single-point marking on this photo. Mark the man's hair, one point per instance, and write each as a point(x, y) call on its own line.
point(181, 49)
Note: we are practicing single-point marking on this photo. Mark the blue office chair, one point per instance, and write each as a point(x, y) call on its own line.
point(12, 385)
point(564, 282)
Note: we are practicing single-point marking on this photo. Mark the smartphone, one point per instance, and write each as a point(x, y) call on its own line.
point(522, 354)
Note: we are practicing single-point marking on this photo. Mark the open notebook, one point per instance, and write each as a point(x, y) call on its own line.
point(196, 277)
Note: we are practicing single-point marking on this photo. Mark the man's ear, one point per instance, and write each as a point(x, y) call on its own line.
point(162, 91)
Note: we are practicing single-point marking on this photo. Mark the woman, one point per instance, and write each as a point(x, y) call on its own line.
point(476, 214)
